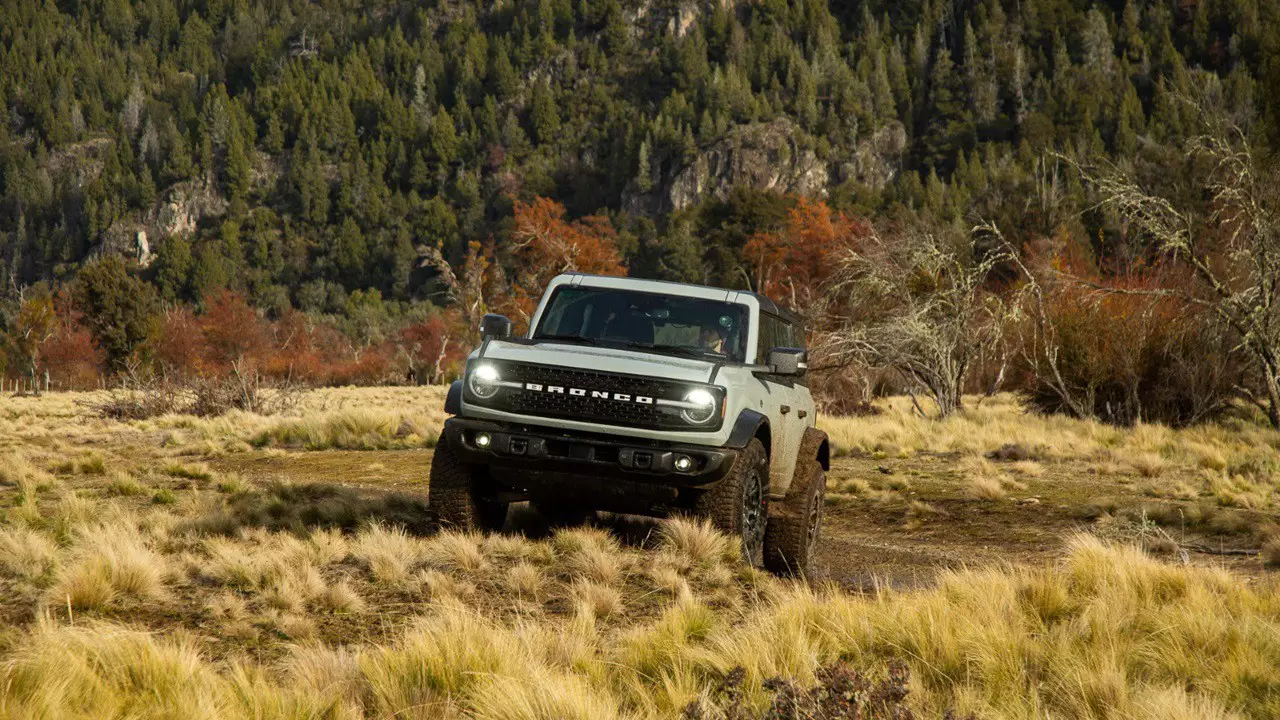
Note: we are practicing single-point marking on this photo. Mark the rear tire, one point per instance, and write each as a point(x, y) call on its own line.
point(795, 528)
point(738, 504)
point(456, 495)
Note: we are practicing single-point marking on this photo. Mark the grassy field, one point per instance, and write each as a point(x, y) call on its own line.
point(274, 567)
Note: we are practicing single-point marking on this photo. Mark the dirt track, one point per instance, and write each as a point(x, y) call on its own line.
point(909, 519)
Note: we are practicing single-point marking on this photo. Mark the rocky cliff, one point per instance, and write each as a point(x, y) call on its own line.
point(762, 156)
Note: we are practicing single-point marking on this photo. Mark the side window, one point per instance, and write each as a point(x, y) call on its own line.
point(774, 333)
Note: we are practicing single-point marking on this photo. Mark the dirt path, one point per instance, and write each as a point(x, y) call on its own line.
point(889, 522)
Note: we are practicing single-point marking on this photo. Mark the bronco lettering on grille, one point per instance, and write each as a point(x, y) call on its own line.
point(595, 394)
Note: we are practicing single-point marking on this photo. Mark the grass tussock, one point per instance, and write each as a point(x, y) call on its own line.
point(110, 563)
point(351, 430)
point(27, 555)
point(1111, 632)
point(315, 600)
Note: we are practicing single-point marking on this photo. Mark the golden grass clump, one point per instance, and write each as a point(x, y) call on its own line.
point(526, 580)
point(696, 542)
point(453, 550)
point(591, 554)
point(106, 671)
point(390, 553)
point(438, 662)
point(340, 599)
point(125, 484)
point(27, 554)
point(985, 487)
point(597, 600)
point(110, 562)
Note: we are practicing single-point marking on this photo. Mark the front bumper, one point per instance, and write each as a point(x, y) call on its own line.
point(606, 471)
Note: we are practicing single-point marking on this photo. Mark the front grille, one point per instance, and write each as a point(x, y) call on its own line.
point(592, 409)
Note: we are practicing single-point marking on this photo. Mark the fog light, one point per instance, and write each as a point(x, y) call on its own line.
point(684, 463)
point(483, 440)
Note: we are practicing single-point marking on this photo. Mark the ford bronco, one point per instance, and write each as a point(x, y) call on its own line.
point(644, 397)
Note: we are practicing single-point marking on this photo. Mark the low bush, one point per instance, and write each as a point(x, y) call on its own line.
point(1123, 356)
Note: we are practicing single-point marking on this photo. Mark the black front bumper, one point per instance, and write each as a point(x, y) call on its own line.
point(605, 471)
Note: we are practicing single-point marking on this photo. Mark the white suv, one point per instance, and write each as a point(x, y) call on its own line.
point(646, 397)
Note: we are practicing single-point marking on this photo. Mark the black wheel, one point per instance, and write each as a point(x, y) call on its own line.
point(455, 498)
point(795, 526)
point(738, 504)
point(563, 514)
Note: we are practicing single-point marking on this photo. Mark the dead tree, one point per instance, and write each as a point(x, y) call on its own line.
point(913, 302)
point(1234, 249)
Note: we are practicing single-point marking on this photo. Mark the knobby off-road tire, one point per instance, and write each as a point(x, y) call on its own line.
point(739, 503)
point(455, 499)
point(795, 527)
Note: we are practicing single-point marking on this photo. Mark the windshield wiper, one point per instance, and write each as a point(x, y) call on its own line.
point(673, 349)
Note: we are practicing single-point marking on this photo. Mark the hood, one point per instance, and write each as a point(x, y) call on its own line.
point(583, 357)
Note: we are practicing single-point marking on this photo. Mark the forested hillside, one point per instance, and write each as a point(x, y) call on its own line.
point(302, 150)
point(330, 157)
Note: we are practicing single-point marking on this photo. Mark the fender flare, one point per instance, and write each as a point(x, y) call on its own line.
point(453, 400)
point(745, 427)
point(814, 446)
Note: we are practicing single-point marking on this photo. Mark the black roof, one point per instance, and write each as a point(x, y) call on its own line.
point(766, 304)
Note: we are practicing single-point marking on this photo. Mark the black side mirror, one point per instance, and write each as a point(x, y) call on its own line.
point(495, 327)
point(787, 361)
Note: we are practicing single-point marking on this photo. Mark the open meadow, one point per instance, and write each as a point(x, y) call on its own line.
point(998, 564)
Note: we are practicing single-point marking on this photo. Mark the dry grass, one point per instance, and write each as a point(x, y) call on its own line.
point(110, 563)
point(26, 554)
point(275, 603)
point(1110, 633)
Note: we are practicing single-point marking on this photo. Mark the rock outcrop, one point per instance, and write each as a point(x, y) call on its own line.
point(178, 212)
point(762, 156)
point(182, 207)
point(878, 159)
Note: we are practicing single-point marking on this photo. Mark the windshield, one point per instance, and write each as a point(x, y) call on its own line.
point(650, 322)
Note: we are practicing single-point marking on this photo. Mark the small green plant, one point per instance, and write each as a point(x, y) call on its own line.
point(164, 496)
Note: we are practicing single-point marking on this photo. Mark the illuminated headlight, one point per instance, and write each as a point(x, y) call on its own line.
point(700, 407)
point(483, 381)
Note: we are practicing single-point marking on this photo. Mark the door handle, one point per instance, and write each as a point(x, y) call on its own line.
point(785, 409)
point(802, 414)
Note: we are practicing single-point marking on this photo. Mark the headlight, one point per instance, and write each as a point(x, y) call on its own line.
point(483, 381)
point(700, 407)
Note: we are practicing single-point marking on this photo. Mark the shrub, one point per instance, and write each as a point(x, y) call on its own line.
point(1124, 356)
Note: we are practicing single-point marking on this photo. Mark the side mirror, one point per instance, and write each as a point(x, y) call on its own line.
point(495, 327)
point(787, 361)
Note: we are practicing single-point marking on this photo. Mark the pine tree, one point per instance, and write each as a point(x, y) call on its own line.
point(544, 116)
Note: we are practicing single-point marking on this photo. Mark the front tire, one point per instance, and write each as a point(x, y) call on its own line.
point(738, 504)
point(791, 539)
point(456, 495)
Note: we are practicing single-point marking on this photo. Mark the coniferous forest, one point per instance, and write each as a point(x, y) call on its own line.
point(336, 159)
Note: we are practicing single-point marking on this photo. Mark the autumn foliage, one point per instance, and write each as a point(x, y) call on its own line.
point(545, 245)
point(1118, 347)
point(793, 263)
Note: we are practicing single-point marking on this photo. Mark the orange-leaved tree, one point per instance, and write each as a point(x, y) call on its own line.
point(427, 348)
point(792, 264)
point(543, 244)
point(546, 244)
point(70, 356)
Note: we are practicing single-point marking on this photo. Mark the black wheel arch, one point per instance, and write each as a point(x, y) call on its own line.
point(453, 400)
point(751, 424)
